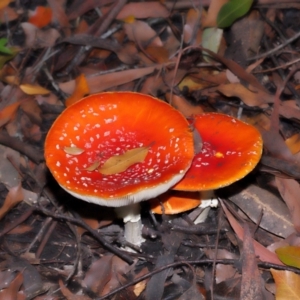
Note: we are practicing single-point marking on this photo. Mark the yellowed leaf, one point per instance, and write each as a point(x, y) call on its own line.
point(293, 143)
point(287, 285)
point(4, 3)
point(73, 150)
point(33, 89)
point(14, 196)
point(120, 163)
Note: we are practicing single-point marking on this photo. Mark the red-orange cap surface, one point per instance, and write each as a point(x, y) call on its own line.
point(175, 202)
point(231, 149)
point(104, 125)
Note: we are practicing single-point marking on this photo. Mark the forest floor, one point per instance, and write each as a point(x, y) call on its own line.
point(236, 58)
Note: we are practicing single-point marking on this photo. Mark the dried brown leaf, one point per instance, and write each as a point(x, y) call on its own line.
point(140, 32)
point(211, 19)
point(289, 190)
point(69, 295)
point(12, 292)
point(263, 253)
point(37, 38)
point(259, 98)
point(254, 200)
point(144, 10)
point(14, 196)
point(104, 82)
point(191, 25)
point(251, 287)
point(120, 163)
point(99, 274)
point(8, 113)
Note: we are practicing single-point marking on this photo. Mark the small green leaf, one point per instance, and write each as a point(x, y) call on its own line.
point(231, 11)
point(3, 48)
point(289, 255)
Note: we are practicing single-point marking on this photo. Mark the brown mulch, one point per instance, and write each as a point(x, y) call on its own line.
point(54, 246)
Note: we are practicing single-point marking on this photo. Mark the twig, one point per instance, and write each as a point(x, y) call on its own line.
point(93, 232)
point(21, 147)
point(272, 51)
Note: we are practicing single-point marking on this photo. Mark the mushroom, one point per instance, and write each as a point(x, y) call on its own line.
point(175, 202)
point(231, 149)
point(117, 149)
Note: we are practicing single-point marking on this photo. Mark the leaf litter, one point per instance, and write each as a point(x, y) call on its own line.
point(53, 53)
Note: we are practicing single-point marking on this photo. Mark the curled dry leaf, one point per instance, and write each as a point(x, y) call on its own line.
point(120, 163)
point(33, 89)
point(14, 196)
point(73, 150)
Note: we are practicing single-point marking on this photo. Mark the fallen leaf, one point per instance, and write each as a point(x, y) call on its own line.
point(14, 196)
point(144, 10)
point(289, 190)
point(287, 285)
point(259, 98)
point(81, 89)
point(13, 291)
point(191, 25)
point(184, 106)
point(263, 253)
point(231, 11)
point(251, 286)
point(293, 143)
point(289, 255)
point(73, 150)
point(276, 218)
point(4, 3)
point(106, 81)
point(40, 17)
point(140, 32)
point(210, 20)
point(33, 89)
point(120, 163)
point(69, 295)
point(99, 274)
point(8, 113)
point(37, 38)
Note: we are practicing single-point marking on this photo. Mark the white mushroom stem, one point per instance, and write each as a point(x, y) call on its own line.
point(208, 200)
point(132, 223)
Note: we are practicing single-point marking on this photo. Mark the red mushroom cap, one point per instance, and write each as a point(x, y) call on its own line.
point(231, 149)
point(175, 202)
point(104, 125)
